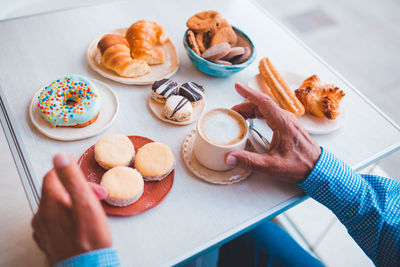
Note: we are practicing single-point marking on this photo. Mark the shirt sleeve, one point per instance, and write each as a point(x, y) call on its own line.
point(368, 205)
point(106, 257)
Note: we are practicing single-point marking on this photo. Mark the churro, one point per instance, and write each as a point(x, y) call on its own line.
point(279, 91)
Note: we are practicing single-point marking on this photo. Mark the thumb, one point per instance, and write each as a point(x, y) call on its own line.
point(249, 160)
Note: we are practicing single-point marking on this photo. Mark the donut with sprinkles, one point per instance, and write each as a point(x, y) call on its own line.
point(71, 101)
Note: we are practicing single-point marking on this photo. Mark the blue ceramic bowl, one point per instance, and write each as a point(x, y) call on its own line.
point(215, 69)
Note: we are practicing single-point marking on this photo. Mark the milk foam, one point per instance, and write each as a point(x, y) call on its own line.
point(222, 128)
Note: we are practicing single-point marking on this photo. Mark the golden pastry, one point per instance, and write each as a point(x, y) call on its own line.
point(142, 36)
point(204, 21)
point(278, 89)
point(320, 99)
point(224, 35)
point(193, 43)
point(115, 55)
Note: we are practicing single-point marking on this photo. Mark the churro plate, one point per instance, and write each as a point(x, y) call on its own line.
point(312, 124)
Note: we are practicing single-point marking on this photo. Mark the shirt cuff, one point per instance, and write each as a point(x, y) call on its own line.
point(99, 258)
point(331, 180)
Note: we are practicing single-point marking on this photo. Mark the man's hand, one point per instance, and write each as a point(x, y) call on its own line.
point(292, 153)
point(70, 219)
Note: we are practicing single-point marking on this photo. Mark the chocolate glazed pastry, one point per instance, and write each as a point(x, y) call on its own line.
point(180, 105)
point(162, 89)
point(192, 91)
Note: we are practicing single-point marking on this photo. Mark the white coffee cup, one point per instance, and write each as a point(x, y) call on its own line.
point(219, 131)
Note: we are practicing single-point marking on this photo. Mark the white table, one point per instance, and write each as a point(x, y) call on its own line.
point(195, 215)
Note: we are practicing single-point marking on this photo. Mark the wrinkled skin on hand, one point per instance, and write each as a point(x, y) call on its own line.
point(70, 219)
point(293, 153)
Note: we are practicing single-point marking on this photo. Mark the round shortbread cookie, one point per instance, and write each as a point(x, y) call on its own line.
point(114, 150)
point(154, 161)
point(124, 186)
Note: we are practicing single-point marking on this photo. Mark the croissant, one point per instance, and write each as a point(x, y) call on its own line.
point(142, 36)
point(319, 99)
point(115, 55)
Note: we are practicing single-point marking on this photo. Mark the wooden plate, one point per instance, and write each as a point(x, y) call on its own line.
point(153, 193)
point(108, 112)
point(312, 124)
point(158, 110)
point(158, 72)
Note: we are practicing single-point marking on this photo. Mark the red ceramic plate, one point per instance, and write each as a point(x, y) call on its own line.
point(153, 194)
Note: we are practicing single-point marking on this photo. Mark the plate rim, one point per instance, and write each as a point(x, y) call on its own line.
point(105, 204)
point(32, 106)
point(115, 77)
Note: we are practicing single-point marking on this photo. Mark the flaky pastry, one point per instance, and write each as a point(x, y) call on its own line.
point(142, 36)
point(115, 55)
point(320, 99)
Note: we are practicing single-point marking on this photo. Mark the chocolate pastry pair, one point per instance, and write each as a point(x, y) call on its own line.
point(164, 88)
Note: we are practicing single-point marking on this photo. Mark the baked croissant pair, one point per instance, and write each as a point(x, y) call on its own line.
point(131, 55)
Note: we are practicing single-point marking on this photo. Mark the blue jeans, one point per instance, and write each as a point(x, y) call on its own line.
point(266, 245)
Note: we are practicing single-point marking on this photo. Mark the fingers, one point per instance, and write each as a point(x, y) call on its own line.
point(100, 191)
point(72, 179)
point(249, 160)
point(267, 107)
point(248, 110)
point(53, 190)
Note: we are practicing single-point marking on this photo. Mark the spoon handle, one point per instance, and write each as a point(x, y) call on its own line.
point(265, 140)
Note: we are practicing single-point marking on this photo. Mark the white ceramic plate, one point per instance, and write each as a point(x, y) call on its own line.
point(158, 110)
point(158, 72)
point(108, 112)
point(312, 124)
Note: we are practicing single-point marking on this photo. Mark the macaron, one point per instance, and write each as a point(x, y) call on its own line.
point(178, 108)
point(242, 58)
point(234, 52)
point(124, 186)
point(217, 51)
point(222, 62)
point(154, 161)
point(114, 150)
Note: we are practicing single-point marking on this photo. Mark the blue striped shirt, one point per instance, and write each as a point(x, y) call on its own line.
point(368, 205)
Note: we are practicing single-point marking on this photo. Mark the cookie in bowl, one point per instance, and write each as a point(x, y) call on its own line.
point(217, 49)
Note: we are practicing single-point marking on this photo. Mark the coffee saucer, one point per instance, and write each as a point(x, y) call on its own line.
point(158, 110)
point(214, 177)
